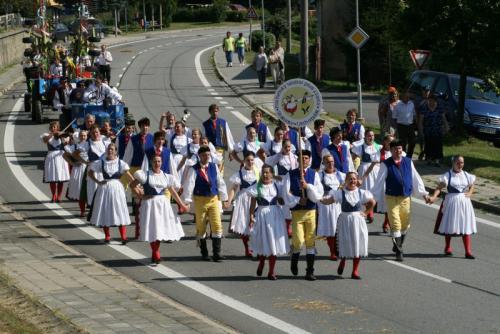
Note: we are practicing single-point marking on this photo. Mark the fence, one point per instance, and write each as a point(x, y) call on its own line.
point(10, 21)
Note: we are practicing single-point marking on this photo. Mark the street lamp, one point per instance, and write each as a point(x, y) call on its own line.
point(263, 27)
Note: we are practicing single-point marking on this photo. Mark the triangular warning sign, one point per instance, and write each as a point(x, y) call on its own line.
point(420, 57)
point(251, 14)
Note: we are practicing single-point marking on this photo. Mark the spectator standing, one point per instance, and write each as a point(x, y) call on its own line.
point(56, 69)
point(385, 110)
point(261, 62)
point(104, 60)
point(405, 117)
point(228, 45)
point(278, 49)
point(420, 104)
point(274, 66)
point(433, 126)
point(241, 44)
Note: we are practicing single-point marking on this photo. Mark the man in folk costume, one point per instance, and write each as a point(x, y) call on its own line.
point(303, 190)
point(263, 133)
point(340, 151)
point(317, 142)
point(398, 180)
point(134, 156)
point(125, 136)
point(204, 188)
point(293, 134)
point(353, 131)
point(218, 133)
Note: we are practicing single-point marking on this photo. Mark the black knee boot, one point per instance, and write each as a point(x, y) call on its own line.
point(294, 264)
point(216, 247)
point(204, 250)
point(398, 246)
point(310, 267)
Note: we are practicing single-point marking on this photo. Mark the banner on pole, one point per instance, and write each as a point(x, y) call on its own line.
point(297, 102)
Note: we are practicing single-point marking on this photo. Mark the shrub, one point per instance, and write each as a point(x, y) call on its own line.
point(219, 11)
point(257, 40)
point(234, 16)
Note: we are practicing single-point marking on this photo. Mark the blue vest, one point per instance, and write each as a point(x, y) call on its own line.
point(115, 176)
point(93, 156)
point(365, 157)
point(293, 136)
point(216, 136)
point(244, 184)
point(139, 149)
point(149, 190)
point(347, 207)
point(450, 188)
point(59, 147)
point(326, 187)
point(121, 145)
point(399, 180)
point(261, 131)
point(297, 191)
point(341, 162)
point(271, 150)
point(352, 135)
point(316, 149)
point(201, 186)
point(165, 158)
point(261, 201)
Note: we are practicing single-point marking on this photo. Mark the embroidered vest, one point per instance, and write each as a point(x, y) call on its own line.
point(399, 180)
point(296, 190)
point(341, 162)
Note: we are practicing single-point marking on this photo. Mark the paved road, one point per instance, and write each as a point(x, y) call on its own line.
point(428, 293)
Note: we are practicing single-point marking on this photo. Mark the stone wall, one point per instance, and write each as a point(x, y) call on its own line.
point(12, 48)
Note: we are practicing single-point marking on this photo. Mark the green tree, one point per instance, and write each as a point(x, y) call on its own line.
point(219, 10)
point(461, 35)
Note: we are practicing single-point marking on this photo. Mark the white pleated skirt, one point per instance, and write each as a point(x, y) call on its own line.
point(110, 205)
point(75, 182)
point(55, 168)
point(158, 220)
point(240, 220)
point(352, 235)
point(458, 216)
point(269, 234)
point(327, 219)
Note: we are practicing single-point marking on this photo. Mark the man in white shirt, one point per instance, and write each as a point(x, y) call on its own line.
point(104, 60)
point(99, 92)
point(405, 116)
point(56, 69)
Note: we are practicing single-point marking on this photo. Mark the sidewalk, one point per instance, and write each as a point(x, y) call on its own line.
point(94, 298)
point(244, 82)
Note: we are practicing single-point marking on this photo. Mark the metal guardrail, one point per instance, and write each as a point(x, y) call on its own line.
point(10, 20)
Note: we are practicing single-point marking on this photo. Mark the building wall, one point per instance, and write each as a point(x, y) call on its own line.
point(335, 15)
point(11, 48)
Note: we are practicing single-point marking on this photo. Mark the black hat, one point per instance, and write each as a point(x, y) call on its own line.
point(129, 121)
point(306, 152)
point(203, 149)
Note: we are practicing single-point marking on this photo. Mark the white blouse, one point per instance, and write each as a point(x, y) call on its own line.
point(249, 176)
point(461, 181)
point(110, 166)
point(352, 196)
point(159, 182)
point(267, 191)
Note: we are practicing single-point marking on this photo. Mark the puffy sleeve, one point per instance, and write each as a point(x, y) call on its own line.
point(379, 186)
point(366, 195)
point(336, 194)
point(443, 178)
point(229, 137)
point(471, 178)
point(125, 167)
point(43, 135)
point(221, 186)
point(273, 159)
point(417, 183)
point(96, 166)
point(252, 190)
point(187, 194)
point(140, 176)
point(172, 181)
point(290, 199)
point(235, 179)
point(357, 148)
point(315, 191)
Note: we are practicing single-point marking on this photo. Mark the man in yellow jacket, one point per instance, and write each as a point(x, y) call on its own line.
point(228, 45)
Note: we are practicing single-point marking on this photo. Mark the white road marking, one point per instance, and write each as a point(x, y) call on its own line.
point(214, 93)
point(133, 57)
point(223, 102)
point(120, 75)
point(124, 68)
point(210, 89)
point(129, 62)
point(117, 85)
point(421, 272)
point(197, 65)
point(218, 97)
point(93, 232)
point(229, 107)
point(241, 117)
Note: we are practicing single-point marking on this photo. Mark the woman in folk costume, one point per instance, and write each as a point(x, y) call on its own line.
point(109, 207)
point(77, 171)
point(282, 163)
point(240, 181)
point(191, 158)
point(158, 220)
point(56, 170)
point(269, 236)
point(332, 179)
point(179, 144)
point(351, 225)
point(249, 143)
point(458, 218)
point(93, 149)
point(273, 146)
point(367, 151)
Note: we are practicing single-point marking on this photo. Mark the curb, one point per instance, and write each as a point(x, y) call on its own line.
point(165, 299)
point(11, 84)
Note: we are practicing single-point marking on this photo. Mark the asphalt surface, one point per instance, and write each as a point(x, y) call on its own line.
point(429, 293)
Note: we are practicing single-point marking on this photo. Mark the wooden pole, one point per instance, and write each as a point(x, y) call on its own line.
point(301, 164)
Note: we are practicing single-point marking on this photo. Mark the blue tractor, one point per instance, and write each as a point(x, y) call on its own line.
point(113, 113)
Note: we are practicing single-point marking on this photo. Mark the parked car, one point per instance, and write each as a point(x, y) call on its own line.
point(91, 25)
point(482, 109)
point(237, 8)
point(60, 32)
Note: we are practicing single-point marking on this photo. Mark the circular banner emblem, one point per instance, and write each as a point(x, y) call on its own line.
point(297, 102)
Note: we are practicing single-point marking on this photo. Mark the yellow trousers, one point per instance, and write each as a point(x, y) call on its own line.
point(303, 229)
point(207, 208)
point(398, 210)
point(124, 179)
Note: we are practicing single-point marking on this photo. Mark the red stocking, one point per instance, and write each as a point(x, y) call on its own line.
point(245, 238)
point(355, 265)
point(386, 227)
point(53, 187)
point(107, 236)
point(123, 232)
point(82, 205)
point(289, 227)
point(260, 268)
point(272, 264)
point(331, 244)
point(155, 251)
point(60, 186)
point(467, 246)
point(447, 249)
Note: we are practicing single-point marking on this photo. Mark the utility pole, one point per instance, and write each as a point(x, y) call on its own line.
point(250, 35)
point(161, 17)
point(289, 37)
point(263, 26)
point(116, 23)
point(304, 39)
point(358, 54)
point(153, 16)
